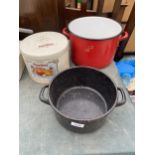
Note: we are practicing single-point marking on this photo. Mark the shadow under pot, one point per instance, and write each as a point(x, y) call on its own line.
point(82, 97)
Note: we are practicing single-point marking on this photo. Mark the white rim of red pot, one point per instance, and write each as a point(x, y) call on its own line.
point(100, 28)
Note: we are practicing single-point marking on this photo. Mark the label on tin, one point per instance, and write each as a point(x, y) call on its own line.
point(43, 72)
point(79, 125)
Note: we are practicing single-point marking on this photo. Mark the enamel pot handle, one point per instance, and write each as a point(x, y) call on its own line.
point(65, 32)
point(42, 97)
point(124, 36)
point(123, 97)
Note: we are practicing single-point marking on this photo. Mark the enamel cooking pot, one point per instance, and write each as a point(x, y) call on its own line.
point(94, 40)
point(82, 97)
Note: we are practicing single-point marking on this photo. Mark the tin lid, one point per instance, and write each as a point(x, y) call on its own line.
point(44, 44)
point(95, 28)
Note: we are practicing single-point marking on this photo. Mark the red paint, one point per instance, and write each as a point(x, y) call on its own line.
point(94, 53)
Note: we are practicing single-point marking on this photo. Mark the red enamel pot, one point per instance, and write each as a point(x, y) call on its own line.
point(94, 40)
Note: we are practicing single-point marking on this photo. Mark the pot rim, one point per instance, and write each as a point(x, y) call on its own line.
point(99, 39)
point(82, 120)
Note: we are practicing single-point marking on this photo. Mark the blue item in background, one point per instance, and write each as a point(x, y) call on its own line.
point(126, 69)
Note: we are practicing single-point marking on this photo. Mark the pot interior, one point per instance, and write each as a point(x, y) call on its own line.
point(82, 93)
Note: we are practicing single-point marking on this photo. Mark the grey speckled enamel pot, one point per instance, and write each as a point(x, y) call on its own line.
point(82, 97)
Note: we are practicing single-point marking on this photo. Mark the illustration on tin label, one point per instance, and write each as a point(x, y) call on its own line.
point(43, 70)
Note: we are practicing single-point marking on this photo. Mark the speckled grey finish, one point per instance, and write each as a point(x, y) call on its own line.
point(41, 134)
